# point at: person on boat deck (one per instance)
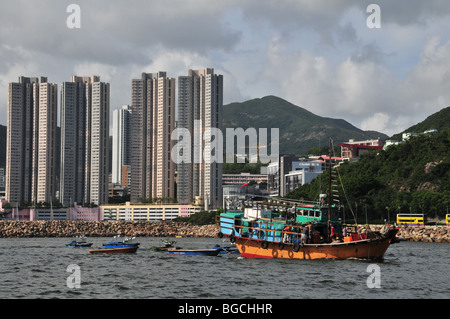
(305, 232)
(333, 233)
(310, 229)
(339, 232)
(286, 235)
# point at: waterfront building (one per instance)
(76, 212)
(31, 214)
(47, 214)
(84, 141)
(153, 120)
(273, 179)
(292, 171)
(147, 212)
(303, 172)
(121, 137)
(31, 140)
(200, 103)
(276, 172)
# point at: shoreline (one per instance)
(427, 233)
(67, 229)
(430, 234)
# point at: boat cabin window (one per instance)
(317, 213)
(311, 213)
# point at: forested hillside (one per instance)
(411, 177)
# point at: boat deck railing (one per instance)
(264, 230)
(275, 231)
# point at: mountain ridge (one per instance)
(300, 129)
(435, 121)
(315, 131)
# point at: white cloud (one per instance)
(363, 91)
(317, 54)
(378, 122)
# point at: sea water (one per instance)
(44, 268)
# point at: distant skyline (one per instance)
(319, 55)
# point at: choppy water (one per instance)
(37, 268)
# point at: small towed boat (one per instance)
(121, 250)
(125, 243)
(167, 245)
(126, 246)
(203, 252)
(79, 244)
(227, 249)
(76, 244)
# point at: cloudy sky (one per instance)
(320, 55)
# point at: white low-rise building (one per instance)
(147, 212)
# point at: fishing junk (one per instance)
(313, 231)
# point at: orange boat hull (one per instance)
(367, 249)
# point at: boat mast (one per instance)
(329, 180)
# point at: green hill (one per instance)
(413, 177)
(437, 121)
(300, 130)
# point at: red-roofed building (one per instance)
(353, 149)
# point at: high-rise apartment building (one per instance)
(2, 184)
(153, 120)
(84, 141)
(200, 103)
(31, 140)
(2, 179)
(121, 142)
(45, 144)
(73, 142)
